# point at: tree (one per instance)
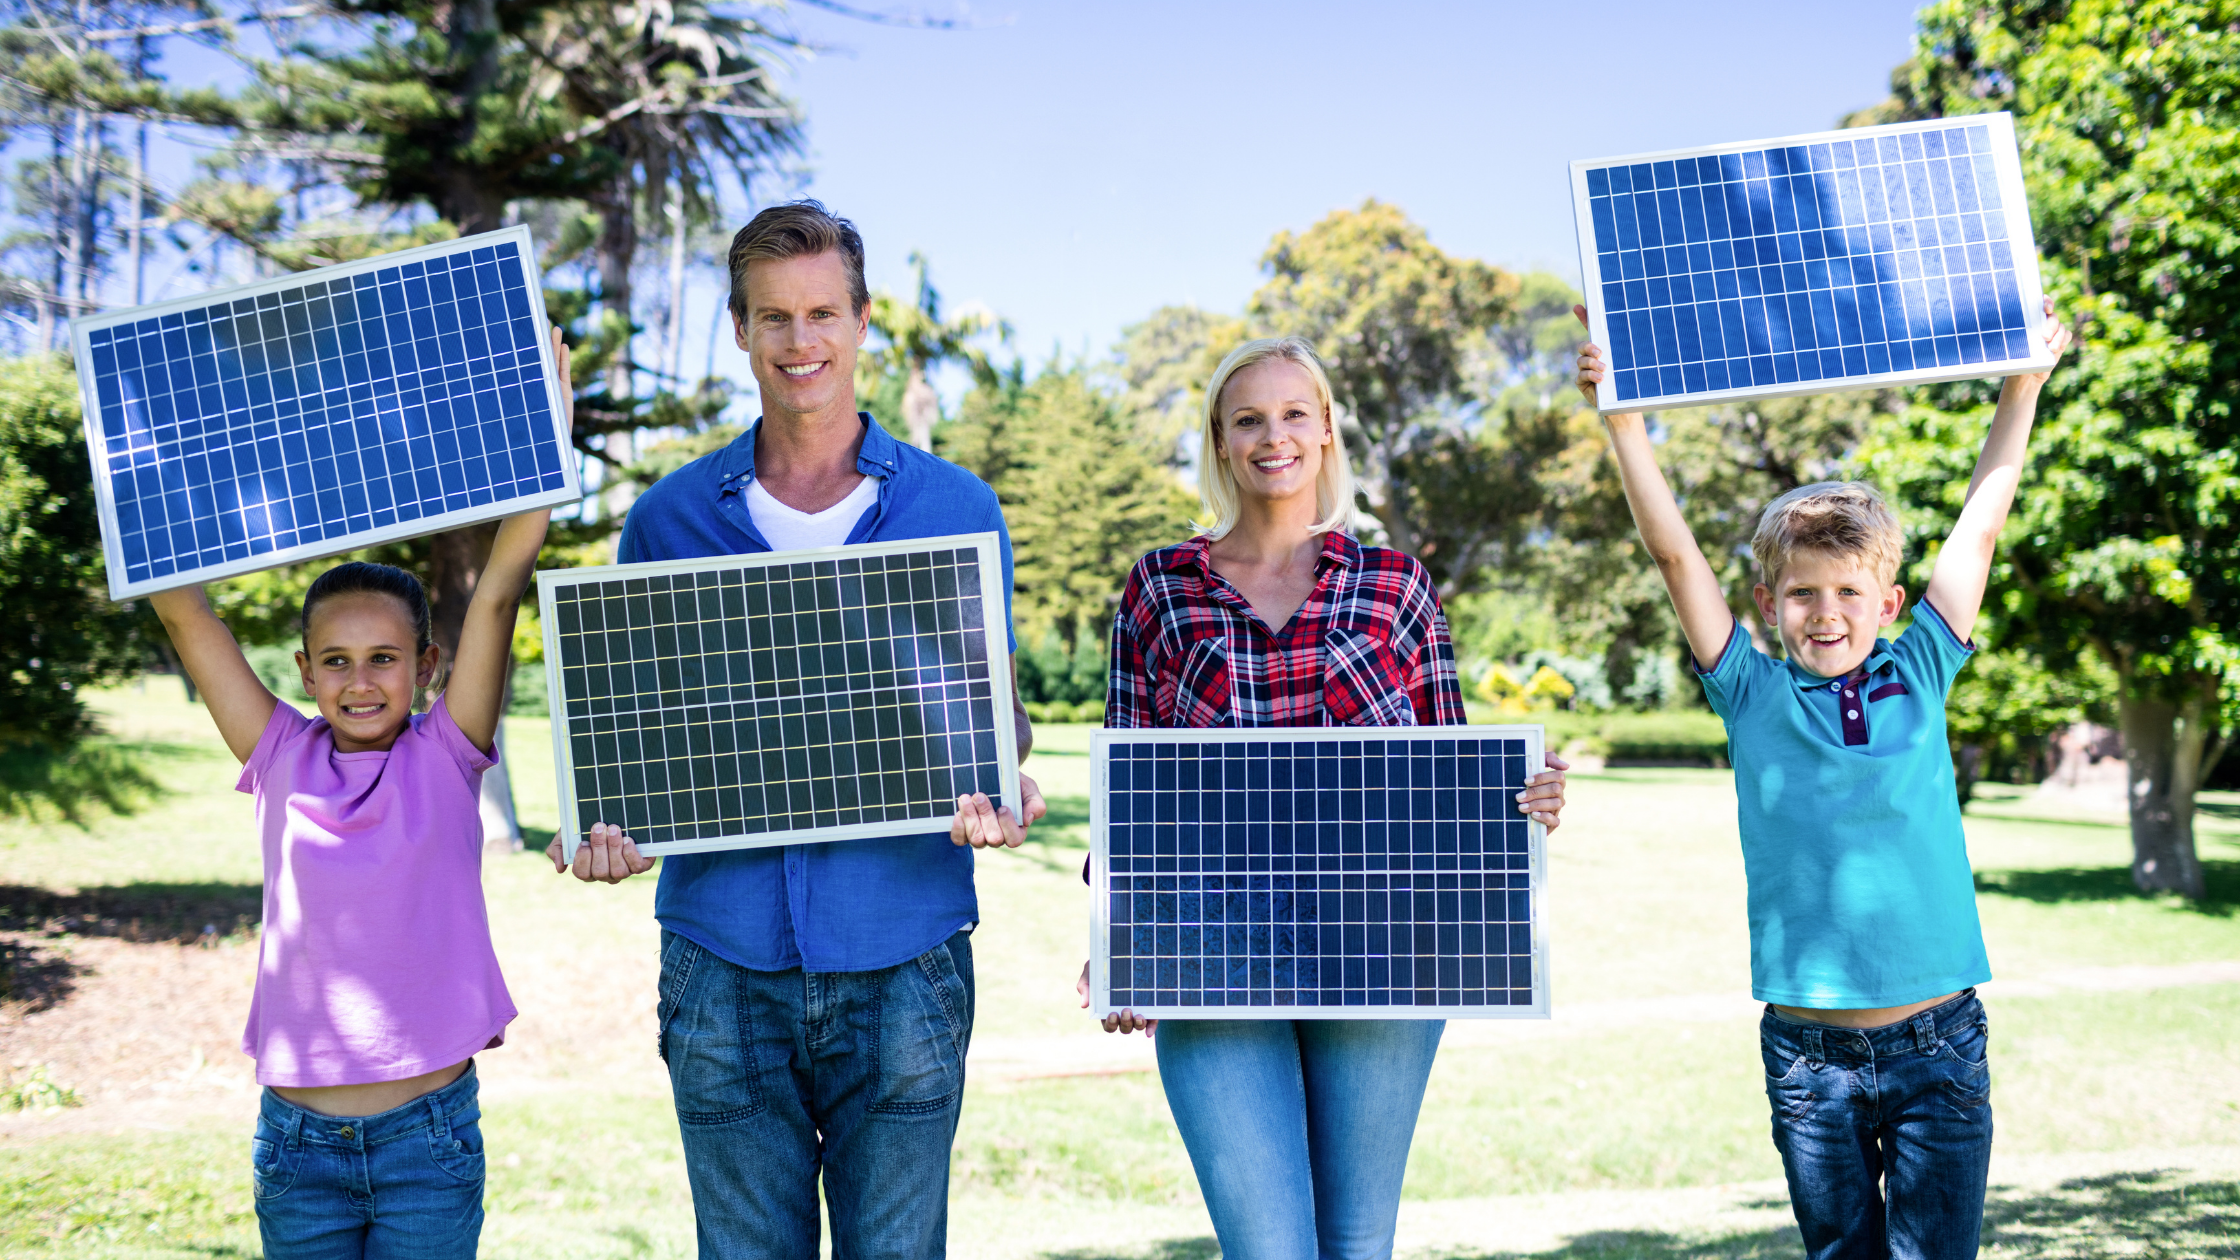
(914, 338)
(1394, 318)
(2125, 541)
(1083, 493)
(1163, 364)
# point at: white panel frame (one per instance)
(995, 615)
(1100, 869)
(2014, 204)
(112, 548)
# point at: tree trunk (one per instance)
(921, 407)
(2162, 743)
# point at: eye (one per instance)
(336, 662)
(383, 658)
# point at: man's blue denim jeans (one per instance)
(402, 1185)
(1885, 1133)
(779, 1075)
(1299, 1129)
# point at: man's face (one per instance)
(1827, 608)
(801, 334)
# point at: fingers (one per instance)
(558, 852)
(1542, 798)
(1081, 986)
(1580, 313)
(1030, 793)
(607, 856)
(977, 822)
(1127, 1022)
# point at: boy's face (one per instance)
(360, 666)
(1827, 609)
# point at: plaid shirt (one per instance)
(1368, 648)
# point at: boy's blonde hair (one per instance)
(1839, 518)
(1217, 482)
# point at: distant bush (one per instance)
(1060, 711)
(1673, 736)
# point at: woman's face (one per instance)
(1273, 429)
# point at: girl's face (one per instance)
(360, 665)
(1273, 429)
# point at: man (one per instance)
(816, 1000)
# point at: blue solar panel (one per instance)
(1311, 873)
(322, 412)
(744, 701)
(1880, 256)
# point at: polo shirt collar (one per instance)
(879, 456)
(1338, 548)
(1878, 661)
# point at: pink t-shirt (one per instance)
(375, 963)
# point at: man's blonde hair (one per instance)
(1837, 518)
(1217, 482)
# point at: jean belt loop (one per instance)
(293, 1130)
(1925, 1037)
(441, 1119)
(1814, 1052)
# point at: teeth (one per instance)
(1274, 464)
(804, 369)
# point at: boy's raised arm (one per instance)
(1964, 563)
(1704, 615)
(238, 700)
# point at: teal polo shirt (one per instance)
(1860, 890)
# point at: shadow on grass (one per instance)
(178, 913)
(1164, 1249)
(94, 777)
(2110, 883)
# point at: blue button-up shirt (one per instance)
(852, 905)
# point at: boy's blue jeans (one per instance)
(781, 1075)
(1885, 1133)
(402, 1185)
(1299, 1129)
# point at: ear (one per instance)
(1763, 594)
(863, 323)
(1893, 603)
(738, 332)
(430, 657)
(303, 666)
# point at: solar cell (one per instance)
(743, 701)
(321, 412)
(1843, 260)
(1304, 873)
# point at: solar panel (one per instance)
(322, 412)
(736, 702)
(1880, 256)
(1313, 873)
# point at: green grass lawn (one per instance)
(1645, 903)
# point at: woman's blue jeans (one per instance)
(1299, 1129)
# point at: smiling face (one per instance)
(801, 334)
(360, 665)
(1827, 608)
(1274, 429)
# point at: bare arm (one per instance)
(1964, 563)
(1704, 615)
(477, 689)
(238, 700)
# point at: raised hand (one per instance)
(1591, 364)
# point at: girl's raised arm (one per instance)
(477, 689)
(238, 700)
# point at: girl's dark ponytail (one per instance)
(379, 579)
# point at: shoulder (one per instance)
(926, 473)
(1395, 576)
(1161, 579)
(684, 490)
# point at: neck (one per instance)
(1272, 531)
(808, 444)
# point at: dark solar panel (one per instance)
(767, 699)
(1315, 873)
(322, 412)
(1879, 256)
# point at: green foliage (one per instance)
(61, 633)
(2007, 706)
(89, 777)
(1053, 673)
(1083, 493)
(1163, 364)
(37, 1090)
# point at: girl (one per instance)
(376, 980)
(1299, 1130)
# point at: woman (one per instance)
(1276, 616)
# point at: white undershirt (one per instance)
(789, 529)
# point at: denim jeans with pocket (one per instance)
(402, 1185)
(781, 1075)
(1885, 1133)
(1299, 1129)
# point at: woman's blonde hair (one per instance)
(1217, 482)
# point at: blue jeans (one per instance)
(402, 1185)
(779, 1075)
(1298, 1129)
(1885, 1133)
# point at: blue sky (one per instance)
(1075, 166)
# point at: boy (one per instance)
(1863, 935)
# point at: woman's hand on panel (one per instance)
(1123, 1021)
(980, 824)
(1542, 798)
(1591, 364)
(606, 856)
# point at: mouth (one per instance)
(362, 710)
(1276, 465)
(1828, 639)
(801, 371)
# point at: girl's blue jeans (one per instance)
(402, 1185)
(1299, 1129)
(1885, 1133)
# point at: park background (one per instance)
(1072, 213)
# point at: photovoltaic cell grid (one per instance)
(773, 699)
(1784, 267)
(322, 412)
(1279, 874)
